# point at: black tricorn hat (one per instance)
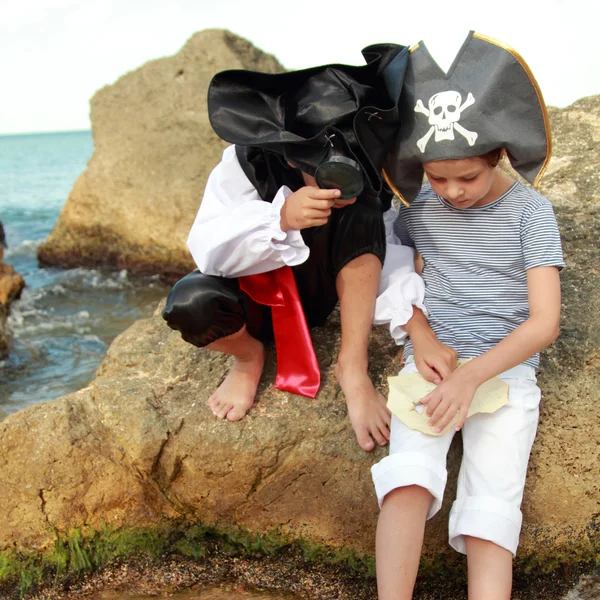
(305, 115)
(488, 99)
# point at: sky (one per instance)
(54, 54)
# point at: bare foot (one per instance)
(235, 396)
(367, 409)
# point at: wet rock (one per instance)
(588, 588)
(11, 285)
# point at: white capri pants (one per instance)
(496, 450)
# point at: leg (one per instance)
(485, 520)
(235, 396)
(357, 284)
(490, 570)
(212, 312)
(400, 532)
(409, 484)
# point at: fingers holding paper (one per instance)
(451, 397)
(457, 397)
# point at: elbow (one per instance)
(552, 333)
(201, 258)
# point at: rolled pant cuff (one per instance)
(486, 518)
(410, 468)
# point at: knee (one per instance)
(204, 308)
(409, 494)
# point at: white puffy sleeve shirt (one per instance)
(236, 233)
(400, 288)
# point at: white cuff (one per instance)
(487, 518)
(395, 304)
(289, 244)
(410, 468)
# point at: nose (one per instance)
(454, 191)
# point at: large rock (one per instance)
(139, 445)
(134, 205)
(573, 175)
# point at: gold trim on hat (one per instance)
(538, 91)
(415, 47)
(394, 189)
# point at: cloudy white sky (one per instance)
(54, 54)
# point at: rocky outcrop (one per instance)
(134, 205)
(11, 285)
(573, 175)
(139, 445)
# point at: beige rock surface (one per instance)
(139, 444)
(573, 175)
(134, 205)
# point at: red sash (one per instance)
(297, 367)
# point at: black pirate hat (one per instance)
(488, 99)
(310, 117)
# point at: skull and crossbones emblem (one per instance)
(445, 109)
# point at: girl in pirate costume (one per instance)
(491, 256)
(291, 221)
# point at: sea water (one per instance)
(65, 320)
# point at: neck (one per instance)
(501, 183)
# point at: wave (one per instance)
(26, 249)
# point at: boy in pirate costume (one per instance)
(292, 219)
(491, 252)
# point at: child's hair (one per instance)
(493, 157)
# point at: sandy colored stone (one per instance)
(573, 175)
(135, 203)
(140, 445)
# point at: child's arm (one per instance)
(401, 302)
(456, 392)
(434, 360)
(235, 232)
(400, 305)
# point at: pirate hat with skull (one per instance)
(488, 99)
(307, 117)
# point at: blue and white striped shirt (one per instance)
(476, 262)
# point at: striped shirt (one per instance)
(476, 262)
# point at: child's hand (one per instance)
(454, 395)
(434, 360)
(307, 207)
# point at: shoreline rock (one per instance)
(11, 286)
(134, 205)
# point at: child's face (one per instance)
(464, 182)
